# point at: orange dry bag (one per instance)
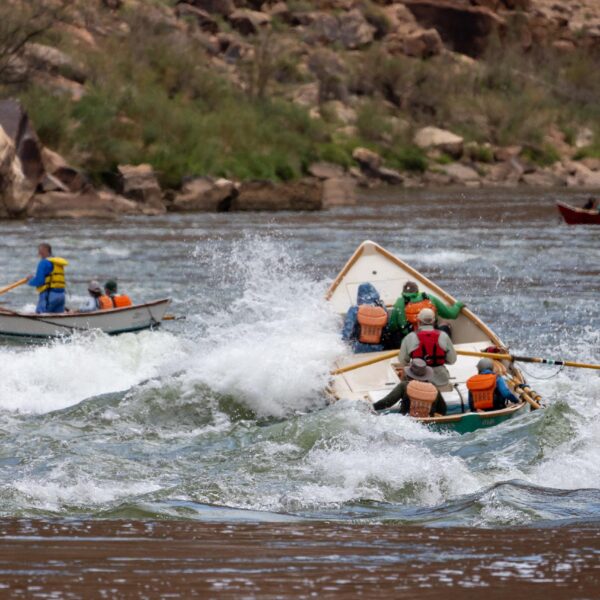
(412, 310)
(482, 388)
(371, 320)
(422, 396)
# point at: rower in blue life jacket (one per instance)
(49, 281)
(487, 389)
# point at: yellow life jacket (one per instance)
(56, 279)
(482, 388)
(371, 321)
(422, 396)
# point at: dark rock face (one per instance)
(269, 196)
(464, 29)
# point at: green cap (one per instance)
(110, 286)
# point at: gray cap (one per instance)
(419, 370)
(485, 364)
(94, 286)
(426, 316)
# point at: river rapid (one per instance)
(222, 417)
(226, 407)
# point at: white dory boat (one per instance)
(372, 263)
(115, 321)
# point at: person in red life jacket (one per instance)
(365, 323)
(432, 345)
(111, 295)
(418, 397)
(403, 318)
(488, 390)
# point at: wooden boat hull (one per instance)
(372, 263)
(112, 322)
(578, 216)
(472, 421)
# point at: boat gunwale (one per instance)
(456, 418)
(46, 316)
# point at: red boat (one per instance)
(578, 216)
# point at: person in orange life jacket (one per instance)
(93, 302)
(365, 323)
(49, 279)
(487, 390)
(430, 344)
(423, 400)
(403, 318)
(116, 300)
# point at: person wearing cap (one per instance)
(432, 345)
(403, 318)
(116, 300)
(410, 398)
(93, 302)
(487, 389)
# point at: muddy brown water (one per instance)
(112, 559)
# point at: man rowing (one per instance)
(49, 281)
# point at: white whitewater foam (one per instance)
(50, 377)
(272, 347)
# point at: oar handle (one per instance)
(12, 286)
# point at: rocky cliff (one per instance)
(260, 105)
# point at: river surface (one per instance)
(221, 416)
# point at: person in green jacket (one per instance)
(406, 309)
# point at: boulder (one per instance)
(221, 7)
(462, 174)
(464, 28)
(354, 30)
(324, 28)
(139, 183)
(54, 61)
(507, 173)
(16, 124)
(591, 163)
(60, 86)
(433, 138)
(16, 190)
(543, 178)
(204, 194)
(369, 161)
(89, 205)
(269, 196)
(506, 153)
(581, 176)
(339, 191)
(325, 170)
(249, 22)
(423, 44)
(584, 137)
(390, 176)
(203, 19)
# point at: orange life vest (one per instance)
(121, 301)
(371, 321)
(482, 388)
(422, 396)
(105, 303)
(412, 310)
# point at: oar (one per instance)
(173, 318)
(365, 363)
(12, 286)
(528, 359)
